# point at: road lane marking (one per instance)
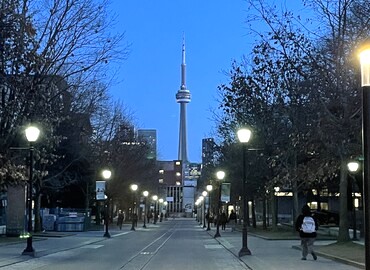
(215, 246)
(93, 246)
(119, 234)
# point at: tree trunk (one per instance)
(36, 211)
(273, 210)
(254, 221)
(268, 208)
(343, 235)
(318, 196)
(264, 211)
(87, 199)
(296, 210)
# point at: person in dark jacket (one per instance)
(306, 225)
(223, 221)
(120, 219)
(232, 220)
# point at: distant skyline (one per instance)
(215, 35)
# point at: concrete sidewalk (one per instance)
(279, 254)
(52, 242)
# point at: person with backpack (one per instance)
(307, 226)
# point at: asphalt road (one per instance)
(176, 244)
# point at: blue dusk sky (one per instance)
(215, 34)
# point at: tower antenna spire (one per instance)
(183, 65)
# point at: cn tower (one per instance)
(183, 97)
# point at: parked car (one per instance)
(325, 217)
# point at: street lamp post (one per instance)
(133, 187)
(165, 213)
(353, 167)
(32, 134)
(145, 193)
(160, 209)
(220, 176)
(106, 176)
(204, 193)
(197, 207)
(365, 83)
(155, 217)
(209, 189)
(244, 136)
(201, 203)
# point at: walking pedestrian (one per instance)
(120, 219)
(149, 216)
(307, 226)
(232, 220)
(223, 221)
(135, 219)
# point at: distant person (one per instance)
(307, 226)
(135, 219)
(149, 216)
(223, 221)
(209, 218)
(120, 219)
(232, 220)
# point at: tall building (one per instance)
(149, 137)
(183, 97)
(169, 179)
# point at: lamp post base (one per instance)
(29, 250)
(217, 232)
(29, 253)
(106, 234)
(244, 251)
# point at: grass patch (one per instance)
(348, 250)
(4, 240)
(281, 233)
